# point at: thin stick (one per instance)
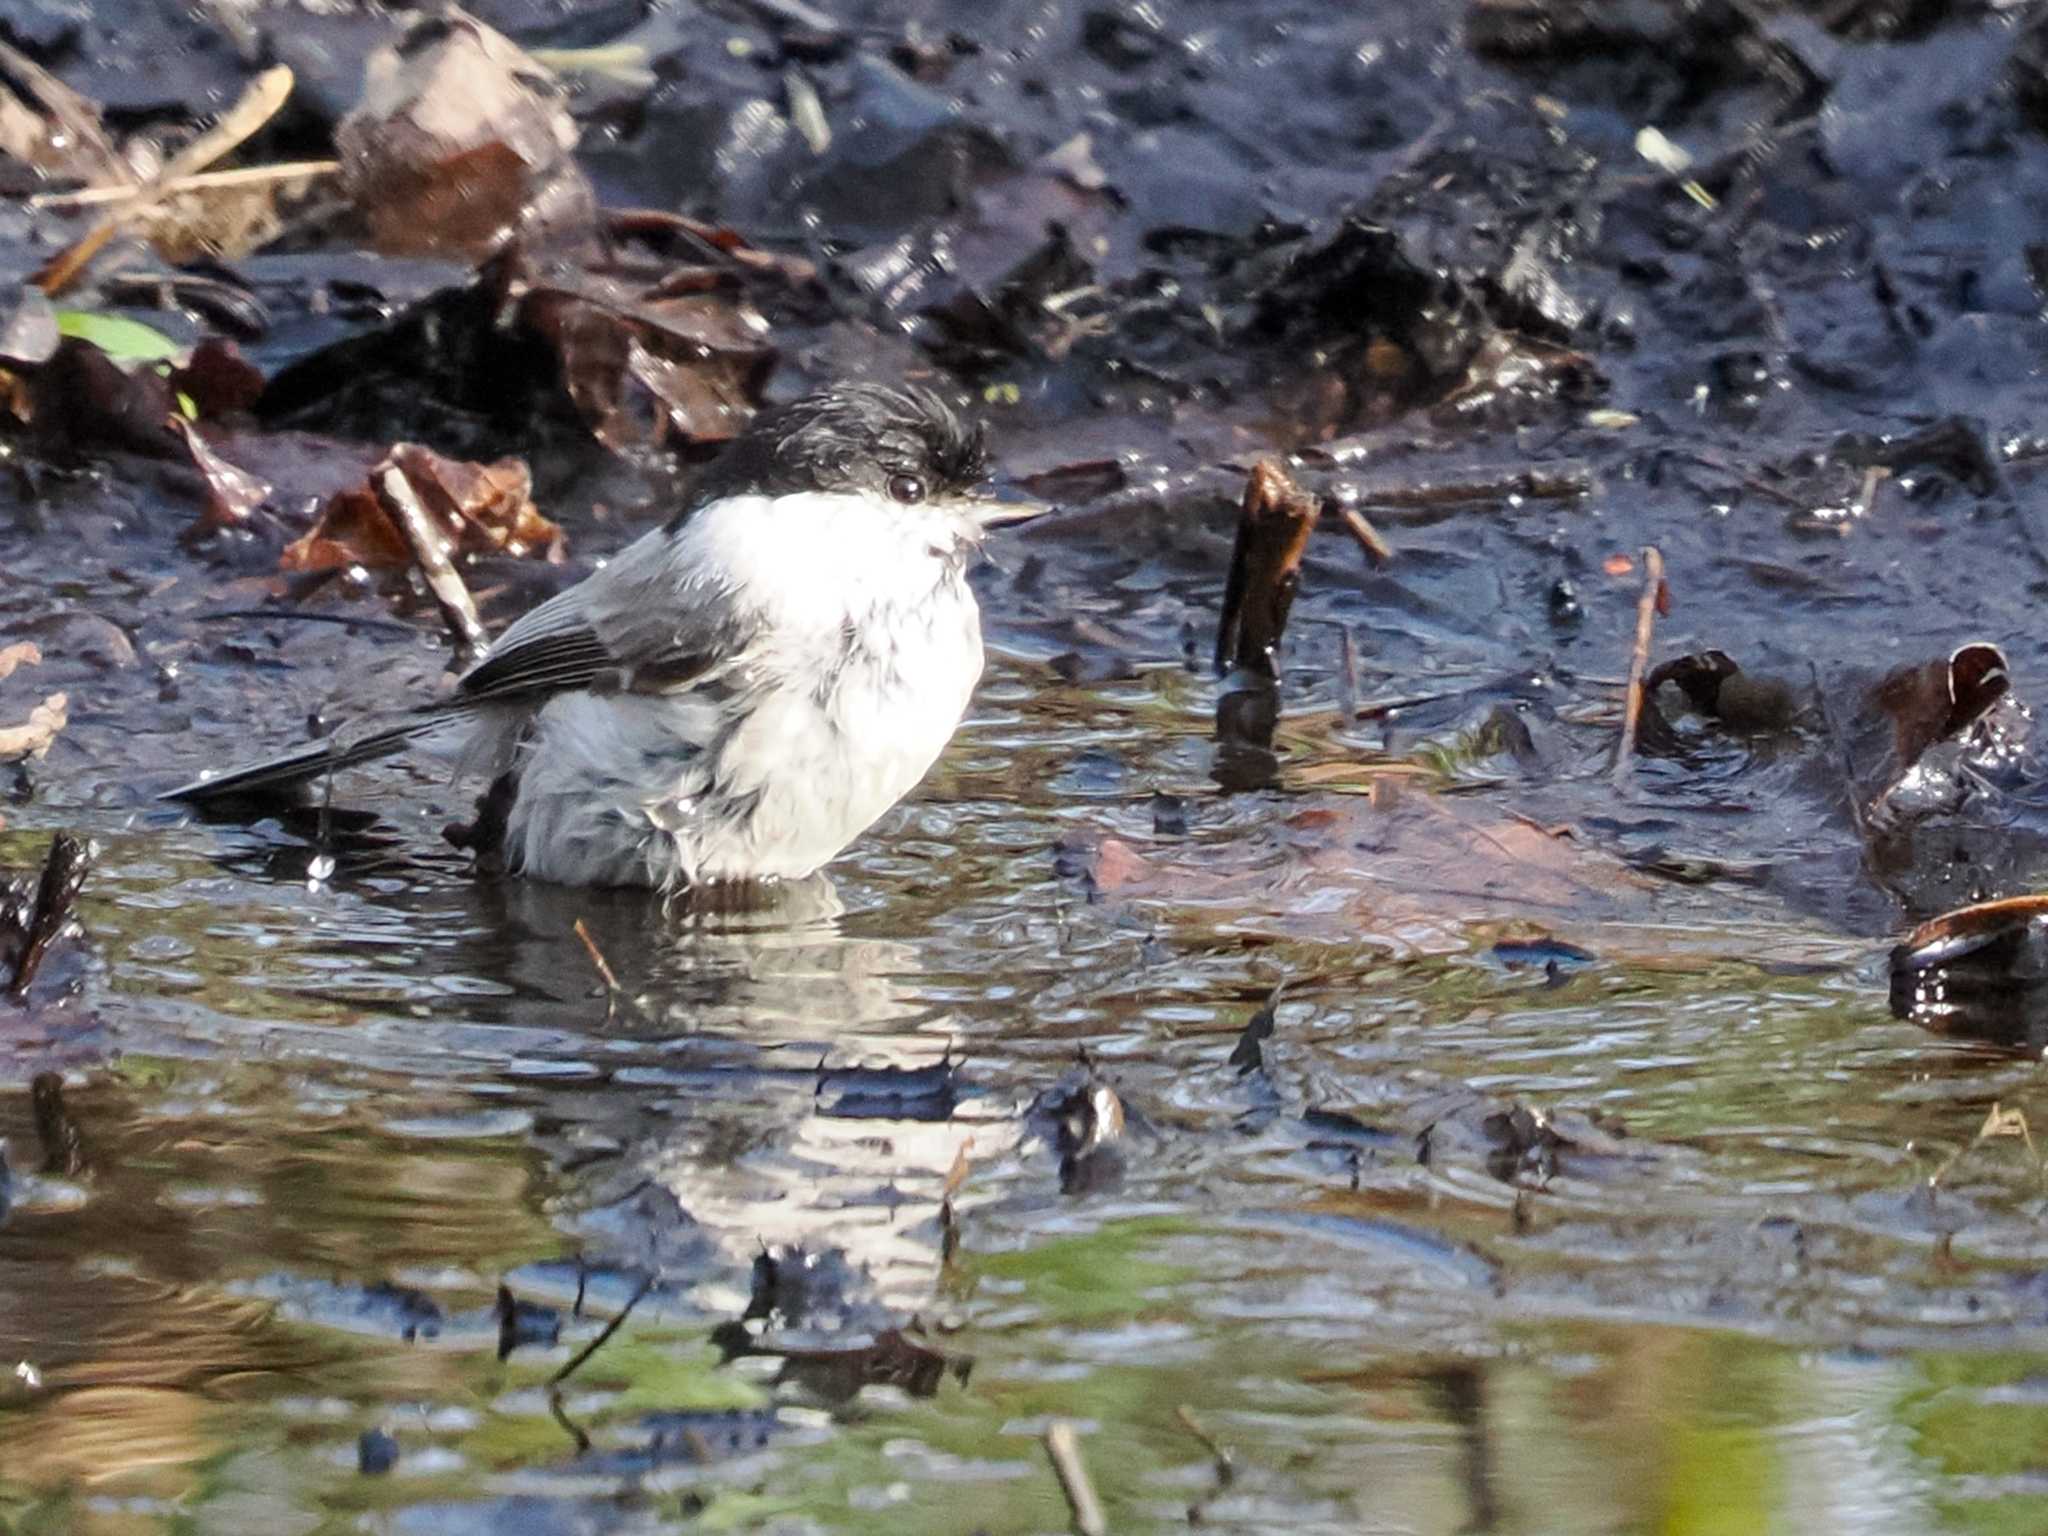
(1064, 1447)
(1639, 661)
(604, 1334)
(1226, 1464)
(1376, 548)
(612, 988)
(795, 13)
(458, 608)
(241, 176)
(256, 106)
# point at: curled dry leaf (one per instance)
(483, 509)
(232, 494)
(31, 738)
(460, 144)
(1957, 727)
(635, 366)
(1272, 534)
(643, 371)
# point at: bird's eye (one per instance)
(908, 489)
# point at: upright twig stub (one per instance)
(1265, 569)
(1647, 606)
(430, 551)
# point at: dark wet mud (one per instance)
(1579, 1175)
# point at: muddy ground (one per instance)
(1415, 1124)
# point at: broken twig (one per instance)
(1639, 660)
(252, 109)
(1064, 1447)
(1376, 548)
(1226, 1464)
(458, 608)
(604, 1334)
(204, 181)
(613, 991)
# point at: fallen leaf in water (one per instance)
(1520, 1143)
(1417, 872)
(1083, 1117)
(1712, 684)
(533, 351)
(124, 340)
(895, 1359)
(521, 1323)
(483, 509)
(1273, 528)
(460, 144)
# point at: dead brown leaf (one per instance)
(482, 508)
(461, 144)
(80, 401)
(1272, 535)
(644, 371)
(1416, 872)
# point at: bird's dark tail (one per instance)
(279, 774)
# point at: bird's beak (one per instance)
(998, 503)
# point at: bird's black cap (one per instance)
(850, 437)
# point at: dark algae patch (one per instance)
(1547, 1039)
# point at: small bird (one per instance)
(745, 689)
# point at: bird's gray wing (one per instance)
(642, 624)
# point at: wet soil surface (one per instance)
(1578, 1176)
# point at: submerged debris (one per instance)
(35, 916)
(376, 1452)
(525, 1323)
(1087, 1126)
(1980, 972)
(63, 1142)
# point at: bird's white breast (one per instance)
(867, 648)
